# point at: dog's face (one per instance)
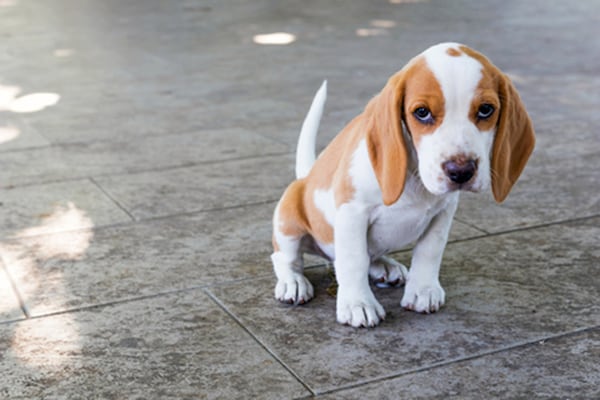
(451, 110)
(465, 120)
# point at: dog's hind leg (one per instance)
(385, 272)
(292, 286)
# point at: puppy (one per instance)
(448, 121)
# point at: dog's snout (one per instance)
(460, 170)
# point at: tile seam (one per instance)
(149, 170)
(15, 289)
(220, 304)
(112, 198)
(270, 201)
(472, 226)
(441, 364)
(140, 220)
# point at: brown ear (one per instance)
(513, 143)
(385, 141)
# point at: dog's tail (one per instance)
(305, 152)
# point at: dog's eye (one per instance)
(485, 111)
(424, 115)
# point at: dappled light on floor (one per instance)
(364, 32)
(38, 260)
(377, 27)
(383, 23)
(63, 218)
(8, 303)
(277, 38)
(8, 93)
(33, 102)
(47, 344)
(8, 133)
(27, 103)
(62, 53)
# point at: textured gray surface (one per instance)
(135, 207)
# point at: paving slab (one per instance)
(85, 267)
(56, 207)
(15, 134)
(202, 187)
(213, 186)
(171, 347)
(114, 157)
(501, 291)
(547, 192)
(172, 108)
(564, 367)
(94, 266)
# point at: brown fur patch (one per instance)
(515, 137)
(298, 213)
(453, 52)
(422, 90)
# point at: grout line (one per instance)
(270, 201)
(526, 228)
(441, 364)
(137, 298)
(259, 342)
(190, 164)
(15, 289)
(102, 305)
(117, 203)
(473, 226)
(195, 130)
(141, 221)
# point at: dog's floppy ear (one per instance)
(514, 140)
(385, 141)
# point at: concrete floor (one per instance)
(144, 144)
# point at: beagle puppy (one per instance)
(448, 121)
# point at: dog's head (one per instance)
(464, 118)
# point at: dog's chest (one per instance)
(393, 228)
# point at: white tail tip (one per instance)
(305, 151)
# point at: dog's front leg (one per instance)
(356, 303)
(423, 292)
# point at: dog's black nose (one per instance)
(460, 170)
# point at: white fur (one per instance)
(292, 286)
(365, 230)
(458, 77)
(305, 151)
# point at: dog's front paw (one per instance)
(423, 298)
(294, 290)
(359, 310)
(386, 271)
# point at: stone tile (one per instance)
(87, 267)
(16, 135)
(152, 153)
(550, 190)
(201, 187)
(501, 291)
(204, 187)
(176, 346)
(56, 272)
(56, 207)
(564, 367)
(10, 309)
(135, 111)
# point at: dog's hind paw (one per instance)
(296, 290)
(386, 272)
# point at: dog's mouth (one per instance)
(465, 187)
